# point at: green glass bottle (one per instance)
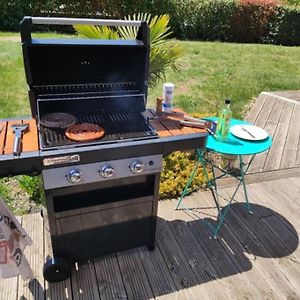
(224, 122)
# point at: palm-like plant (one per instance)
(163, 54)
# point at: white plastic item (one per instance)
(168, 96)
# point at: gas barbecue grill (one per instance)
(102, 194)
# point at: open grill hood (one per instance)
(72, 65)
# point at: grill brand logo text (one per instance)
(61, 160)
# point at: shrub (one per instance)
(32, 186)
(177, 168)
(285, 29)
(214, 19)
(251, 21)
(248, 21)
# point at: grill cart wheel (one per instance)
(56, 269)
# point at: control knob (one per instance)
(107, 171)
(136, 167)
(74, 176)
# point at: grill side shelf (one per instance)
(29, 161)
(174, 136)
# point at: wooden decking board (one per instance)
(261, 121)
(9, 141)
(84, 283)
(258, 281)
(287, 191)
(274, 247)
(264, 114)
(59, 290)
(292, 96)
(282, 232)
(133, 274)
(30, 138)
(275, 153)
(256, 108)
(244, 288)
(3, 125)
(9, 286)
(109, 278)
(252, 244)
(173, 257)
(270, 124)
(194, 254)
(159, 277)
(285, 151)
(227, 287)
(261, 195)
(289, 155)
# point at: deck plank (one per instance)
(10, 136)
(257, 225)
(133, 275)
(275, 153)
(84, 283)
(109, 278)
(3, 127)
(256, 108)
(252, 282)
(9, 286)
(261, 121)
(289, 155)
(58, 290)
(213, 262)
(33, 224)
(176, 262)
(160, 279)
(30, 137)
(272, 114)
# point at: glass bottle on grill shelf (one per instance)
(224, 122)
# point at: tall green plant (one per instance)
(163, 53)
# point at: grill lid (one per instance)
(67, 62)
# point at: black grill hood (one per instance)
(84, 63)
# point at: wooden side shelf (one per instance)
(167, 127)
(29, 140)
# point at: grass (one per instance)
(213, 71)
(210, 72)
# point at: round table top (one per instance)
(236, 146)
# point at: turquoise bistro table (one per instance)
(232, 146)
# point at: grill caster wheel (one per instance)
(56, 269)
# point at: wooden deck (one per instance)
(279, 114)
(255, 257)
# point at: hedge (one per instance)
(250, 21)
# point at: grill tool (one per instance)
(188, 121)
(18, 130)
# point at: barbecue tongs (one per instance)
(188, 121)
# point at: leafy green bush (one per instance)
(177, 168)
(250, 21)
(285, 28)
(32, 186)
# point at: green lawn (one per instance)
(214, 71)
(210, 72)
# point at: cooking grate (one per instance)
(117, 126)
